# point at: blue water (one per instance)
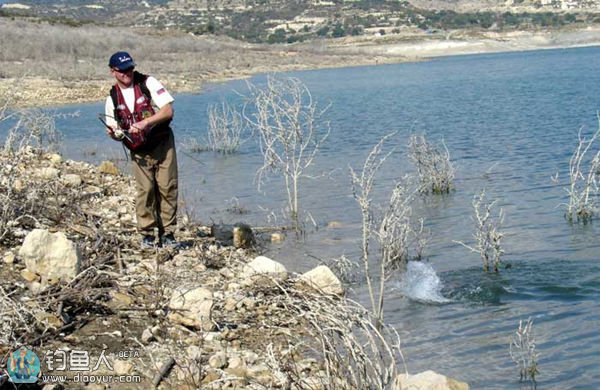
(510, 122)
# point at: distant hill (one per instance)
(288, 21)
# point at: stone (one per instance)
(230, 304)
(277, 237)
(49, 319)
(18, 185)
(36, 287)
(51, 255)
(242, 236)
(147, 336)
(55, 158)
(427, 380)
(93, 190)
(262, 267)
(334, 225)
(120, 300)
(227, 273)
(236, 362)
(250, 357)
(239, 372)
(218, 360)
(9, 258)
(48, 173)
(192, 308)
(30, 276)
(210, 376)
(194, 352)
(123, 367)
(72, 180)
(108, 168)
(322, 279)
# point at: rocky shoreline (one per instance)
(212, 314)
(38, 88)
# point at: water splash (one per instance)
(421, 283)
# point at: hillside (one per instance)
(285, 21)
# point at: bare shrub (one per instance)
(487, 233)
(345, 269)
(395, 234)
(394, 229)
(584, 184)
(290, 131)
(433, 165)
(341, 335)
(522, 351)
(225, 128)
(193, 145)
(16, 319)
(36, 129)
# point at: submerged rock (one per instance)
(427, 380)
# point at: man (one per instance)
(138, 113)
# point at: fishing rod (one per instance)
(123, 132)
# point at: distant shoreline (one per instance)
(36, 91)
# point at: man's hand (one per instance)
(139, 127)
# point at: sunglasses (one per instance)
(124, 70)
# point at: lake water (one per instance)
(510, 122)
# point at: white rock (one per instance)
(236, 362)
(18, 185)
(9, 258)
(72, 180)
(277, 237)
(192, 307)
(123, 367)
(427, 380)
(50, 255)
(54, 158)
(322, 279)
(147, 336)
(194, 352)
(218, 360)
(48, 173)
(250, 357)
(263, 266)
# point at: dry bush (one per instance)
(34, 129)
(225, 128)
(522, 351)
(488, 236)
(395, 232)
(433, 165)
(33, 133)
(340, 334)
(291, 132)
(16, 319)
(584, 182)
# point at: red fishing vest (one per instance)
(142, 109)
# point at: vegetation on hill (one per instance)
(286, 21)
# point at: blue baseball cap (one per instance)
(121, 60)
